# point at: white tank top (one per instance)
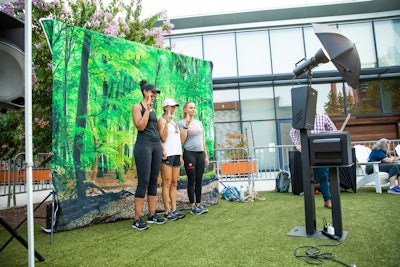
(173, 144)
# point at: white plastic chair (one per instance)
(378, 178)
(397, 149)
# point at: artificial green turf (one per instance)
(230, 234)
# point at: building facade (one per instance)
(254, 54)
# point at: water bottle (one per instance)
(241, 192)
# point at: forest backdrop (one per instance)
(85, 82)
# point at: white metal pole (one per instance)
(28, 129)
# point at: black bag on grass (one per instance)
(282, 182)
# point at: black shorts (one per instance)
(173, 161)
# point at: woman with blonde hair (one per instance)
(194, 156)
(171, 159)
(380, 153)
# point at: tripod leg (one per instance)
(21, 223)
(18, 237)
(53, 216)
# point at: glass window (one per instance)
(221, 133)
(261, 134)
(189, 46)
(264, 133)
(330, 99)
(362, 35)
(391, 95)
(387, 42)
(226, 105)
(283, 101)
(257, 103)
(366, 98)
(284, 129)
(286, 48)
(253, 53)
(220, 49)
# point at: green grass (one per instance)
(231, 234)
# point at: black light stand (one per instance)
(304, 102)
(331, 150)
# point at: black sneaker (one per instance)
(139, 224)
(170, 216)
(156, 219)
(178, 214)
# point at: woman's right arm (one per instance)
(162, 125)
(139, 120)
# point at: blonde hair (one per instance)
(185, 106)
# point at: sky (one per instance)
(185, 8)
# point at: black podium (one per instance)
(347, 175)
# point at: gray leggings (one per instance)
(148, 163)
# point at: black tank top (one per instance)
(150, 133)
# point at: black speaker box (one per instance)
(12, 60)
(330, 148)
(304, 104)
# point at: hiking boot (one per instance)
(156, 219)
(170, 216)
(178, 214)
(139, 224)
(196, 210)
(394, 190)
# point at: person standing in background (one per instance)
(147, 154)
(171, 159)
(194, 156)
(322, 123)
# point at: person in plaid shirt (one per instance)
(322, 123)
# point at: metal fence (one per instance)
(264, 162)
(231, 164)
(13, 176)
(251, 165)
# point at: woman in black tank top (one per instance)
(147, 153)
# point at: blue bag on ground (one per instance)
(231, 193)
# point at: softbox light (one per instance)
(11, 63)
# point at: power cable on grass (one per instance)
(313, 254)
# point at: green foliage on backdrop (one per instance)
(95, 84)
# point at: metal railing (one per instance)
(256, 164)
(13, 176)
(371, 143)
(264, 162)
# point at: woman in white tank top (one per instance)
(171, 159)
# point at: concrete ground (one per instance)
(21, 199)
